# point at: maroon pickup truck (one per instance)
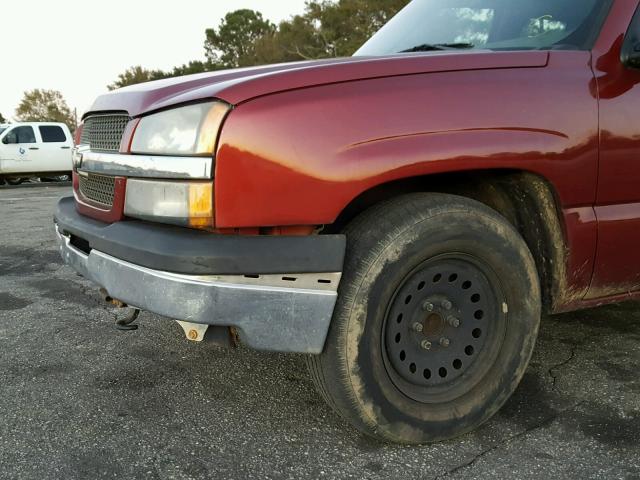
(403, 217)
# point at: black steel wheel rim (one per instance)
(444, 327)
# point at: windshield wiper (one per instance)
(431, 47)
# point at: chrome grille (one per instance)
(104, 132)
(97, 188)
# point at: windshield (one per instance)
(2, 129)
(426, 25)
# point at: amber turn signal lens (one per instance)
(201, 205)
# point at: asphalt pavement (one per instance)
(80, 399)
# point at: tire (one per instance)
(436, 319)
(15, 181)
(57, 178)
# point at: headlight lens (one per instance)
(184, 203)
(189, 130)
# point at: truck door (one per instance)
(18, 148)
(617, 265)
(55, 149)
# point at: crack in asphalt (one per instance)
(564, 363)
(547, 421)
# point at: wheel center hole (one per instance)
(433, 324)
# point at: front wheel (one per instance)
(436, 320)
(15, 181)
(57, 178)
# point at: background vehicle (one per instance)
(34, 150)
(404, 216)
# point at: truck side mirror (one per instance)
(630, 54)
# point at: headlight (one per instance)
(184, 203)
(189, 130)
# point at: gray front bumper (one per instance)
(286, 313)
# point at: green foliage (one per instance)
(2, 119)
(244, 38)
(326, 29)
(345, 25)
(192, 67)
(139, 74)
(135, 75)
(296, 39)
(232, 44)
(44, 106)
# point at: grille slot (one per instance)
(97, 188)
(104, 132)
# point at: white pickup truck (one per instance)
(34, 150)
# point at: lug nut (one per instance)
(445, 342)
(427, 307)
(446, 304)
(418, 327)
(454, 322)
(426, 344)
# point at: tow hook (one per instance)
(194, 331)
(125, 324)
(225, 337)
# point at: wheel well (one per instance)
(526, 200)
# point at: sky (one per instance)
(80, 46)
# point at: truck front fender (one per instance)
(299, 157)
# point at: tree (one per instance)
(194, 66)
(296, 39)
(135, 75)
(2, 119)
(44, 106)
(138, 74)
(344, 26)
(326, 29)
(244, 38)
(232, 44)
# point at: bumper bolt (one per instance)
(445, 342)
(446, 304)
(426, 345)
(454, 322)
(193, 335)
(417, 327)
(427, 307)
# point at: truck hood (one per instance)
(243, 84)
